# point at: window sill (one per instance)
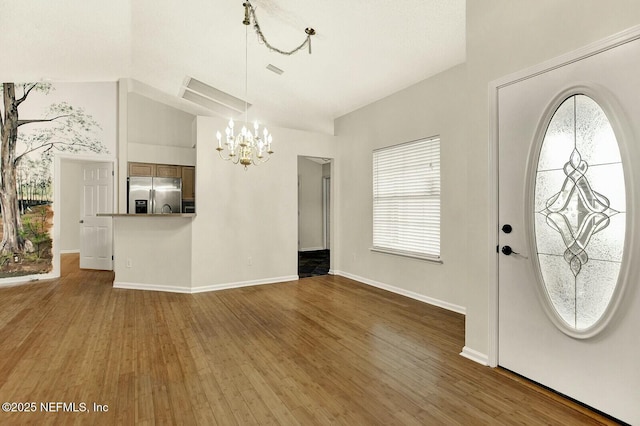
(407, 254)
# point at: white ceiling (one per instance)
(363, 50)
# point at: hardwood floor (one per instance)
(323, 350)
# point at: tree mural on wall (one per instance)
(26, 154)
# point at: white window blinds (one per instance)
(406, 198)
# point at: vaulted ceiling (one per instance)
(363, 50)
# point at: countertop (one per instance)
(147, 215)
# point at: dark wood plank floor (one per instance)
(323, 350)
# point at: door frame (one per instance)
(592, 49)
(326, 214)
(332, 228)
(57, 191)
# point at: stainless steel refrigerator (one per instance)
(154, 195)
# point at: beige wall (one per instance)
(436, 106)
(309, 205)
(245, 230)
(152, 253)
(503, 36)
(154, 123)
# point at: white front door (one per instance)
(569, 303)
(96, 233)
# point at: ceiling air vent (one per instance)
(211, 98)
(275, 69)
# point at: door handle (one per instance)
(82, 221)
(508, 251)
(507, 228)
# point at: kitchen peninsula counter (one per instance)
(153, 251)
(147, 215)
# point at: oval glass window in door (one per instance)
(579, 218)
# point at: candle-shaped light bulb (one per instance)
(231, 123)
(219, 137)
(265, 133)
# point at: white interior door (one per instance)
(569, 349)
(96, 233)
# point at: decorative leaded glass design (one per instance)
(579, 211)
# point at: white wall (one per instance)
(158, 250)
(249, 214)
(158, 133)
(69, 214)
(436, 106)
(310, 205)
(505, 36)
(155, 123)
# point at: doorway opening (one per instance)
(83, 187)
(314, 216)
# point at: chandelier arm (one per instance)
(256, 26)
(258, 162)
(225, 159)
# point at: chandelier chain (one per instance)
(248, 147)
(256, 26)
(246, 74)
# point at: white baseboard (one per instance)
(422, 298)
(26, 279)
(475, 356)
(70, 251)
(311, 249)
(151, 287)
(202, 289)
(239, 284)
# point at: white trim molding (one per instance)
(475, 356)
(201, 289)
(25, 279)
(216, 287)
(151, 287)
(410, 294)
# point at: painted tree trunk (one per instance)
(12, 241)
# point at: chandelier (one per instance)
(251, 147)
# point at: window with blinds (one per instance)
(406, 199)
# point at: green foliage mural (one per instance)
(27, 148)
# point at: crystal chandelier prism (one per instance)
(246, 148)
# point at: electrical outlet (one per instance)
(128, 263)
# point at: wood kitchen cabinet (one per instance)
(188, 183)
(142, 169)
(166, 170)
(154, 170)
(187, 173)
